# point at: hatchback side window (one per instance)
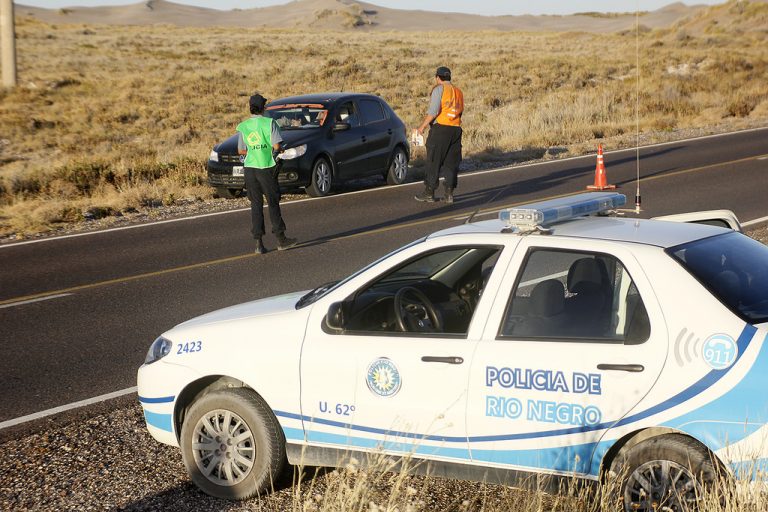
(575, 296)
(371, 111)
(346, 113)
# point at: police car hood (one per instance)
(258, 308)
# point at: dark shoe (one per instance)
(260, 249)
(428, 196)
(448, 198)
(284, 243)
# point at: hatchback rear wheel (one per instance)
(322, 177)
(398, 168)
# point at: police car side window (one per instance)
(575, 296)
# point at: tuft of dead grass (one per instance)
(116, 117)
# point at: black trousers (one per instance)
(443, 155)
(260, 183)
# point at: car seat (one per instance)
(546, 312)
(588, 305)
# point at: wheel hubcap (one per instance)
(661, 485)
(323, 177)
(223, 447)
(401, 166)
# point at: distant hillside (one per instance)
(743, 16)
(349, 15)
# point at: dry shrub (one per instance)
(146, 104)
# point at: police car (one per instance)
(555, 340)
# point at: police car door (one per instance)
(575, 339)
(366, 385)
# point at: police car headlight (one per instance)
(214, 156)
(160, 348)
(290, 154)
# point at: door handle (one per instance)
(635, 368)
(364, 139)
(441, 359)
(389, 131)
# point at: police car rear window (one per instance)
(734, 268)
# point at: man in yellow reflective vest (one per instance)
(444, 142)
(259, 137)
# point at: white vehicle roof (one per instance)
(621, 229)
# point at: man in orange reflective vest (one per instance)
(444, 142)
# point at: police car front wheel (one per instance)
(232, 445)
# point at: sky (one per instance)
(488, 7)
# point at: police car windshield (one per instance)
(325, 289)
(734, 268)
(297, 116)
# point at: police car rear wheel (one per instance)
(398, 169)
(322, 176)
(667, 473)
(232, 445)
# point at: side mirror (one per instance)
(336, 317)
(341, 127)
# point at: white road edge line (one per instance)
(755, 221)
(68, 407)
(30, 301)
(370, 190)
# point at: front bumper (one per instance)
(290, 175)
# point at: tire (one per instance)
(250, 466)
(321, 179)
(665, 473)
(398, 167)
(228, 193)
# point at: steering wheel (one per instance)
(419, 315)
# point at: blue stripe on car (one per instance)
(157, 420)
(702, 385)
(157, 400)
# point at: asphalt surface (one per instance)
(78, 314)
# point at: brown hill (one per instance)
(349, 15)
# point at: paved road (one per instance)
(78, 314)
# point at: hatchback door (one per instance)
(574, 341)
(348, 145)
(378, 133)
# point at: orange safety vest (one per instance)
(451, 106)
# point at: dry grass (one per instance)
(114, 118)
(379, 487)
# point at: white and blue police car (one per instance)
(555, 340)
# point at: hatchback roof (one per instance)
(321, 97)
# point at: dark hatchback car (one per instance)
(339, 136)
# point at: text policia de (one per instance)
(544, 411)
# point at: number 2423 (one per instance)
(188, 348)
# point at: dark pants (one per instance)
(443, 155)
(258, 183)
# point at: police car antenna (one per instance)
(477, 210)
(637, 106)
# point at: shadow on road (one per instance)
(554, 182)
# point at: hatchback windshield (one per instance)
(735, 268)
(297, 116)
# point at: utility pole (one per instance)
(8, 43)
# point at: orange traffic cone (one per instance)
(601, 180)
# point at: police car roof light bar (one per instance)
(545, 213)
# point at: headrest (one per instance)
(703, 260)
(587, 270)
(548, 298)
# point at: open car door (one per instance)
(720, 218)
